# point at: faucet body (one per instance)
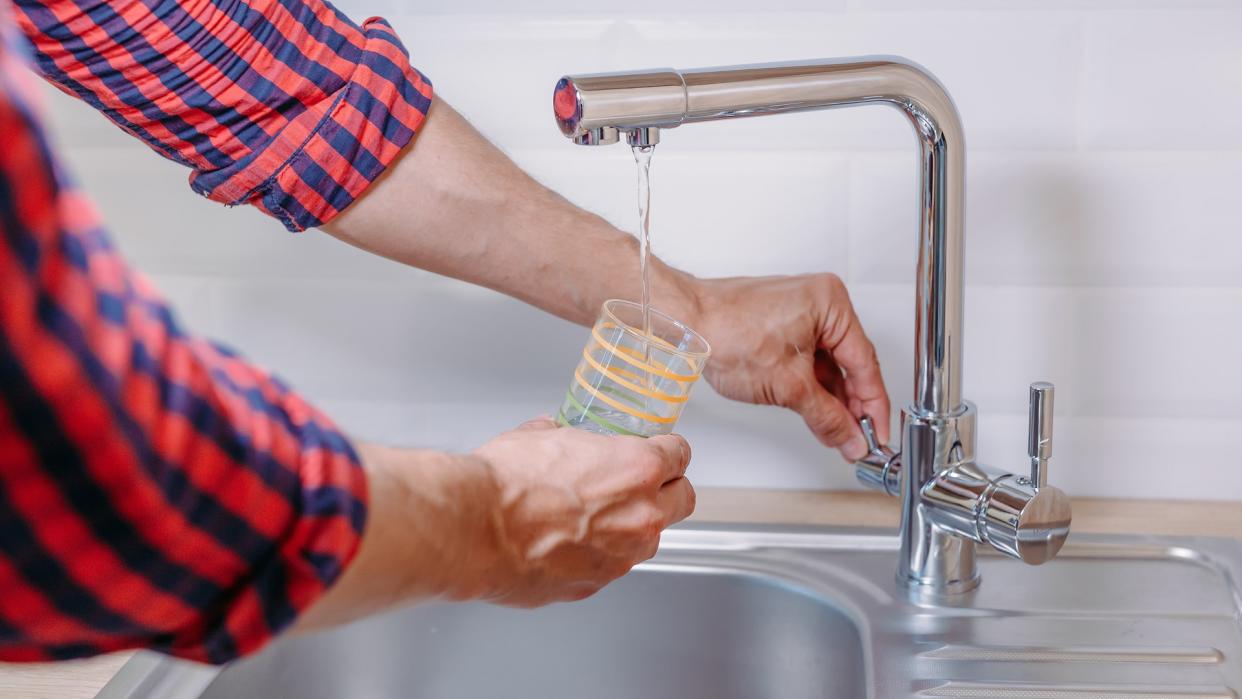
(950, 503)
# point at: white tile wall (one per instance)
(1168, 68)
(1104, 252)
(1083, 218)
(1007, 5)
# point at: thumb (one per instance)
(832, 422)
(543, 422)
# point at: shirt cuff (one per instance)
(326, 157)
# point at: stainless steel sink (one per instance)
(787, 612)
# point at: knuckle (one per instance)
(617, 569)
(873, 356)
(650, 551)
(653, 524)
(684, 450)
(649, 525)
(649, 464)
(582, 592)
(832, 283)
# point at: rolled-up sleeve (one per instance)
(284, 104)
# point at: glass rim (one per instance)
(638, 333)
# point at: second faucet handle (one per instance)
(880, 467)
(868, 430)
(1039, 432)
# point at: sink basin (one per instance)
(787, 612)
(653, 634)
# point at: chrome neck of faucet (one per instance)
(934, 473)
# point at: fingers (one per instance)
(853, 352)
(832, 422)
(676, 500)
(543, 422)
(672, 453)
(829, 375)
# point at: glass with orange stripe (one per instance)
(630, 383)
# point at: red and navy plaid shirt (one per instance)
(155, 489)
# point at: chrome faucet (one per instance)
(950, 503)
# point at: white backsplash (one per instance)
(1104, 242)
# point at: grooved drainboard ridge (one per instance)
(1077, 654)
(1066, 691)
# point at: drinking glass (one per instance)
(630, 382)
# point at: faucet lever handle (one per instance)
(868, 430)
(1039, 434)
(880, 467)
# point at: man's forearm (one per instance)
(455, 205)
(429, 534)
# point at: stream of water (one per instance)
(642, 156)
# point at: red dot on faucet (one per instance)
(565, 101)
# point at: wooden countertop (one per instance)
(840, 508)
(83, 679)
(72, 679)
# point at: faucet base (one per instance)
(955, 549)
(936, 592)
(934, 553)
(951, 504)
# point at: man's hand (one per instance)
(536, 515)
(794, 342)
(578, 510)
